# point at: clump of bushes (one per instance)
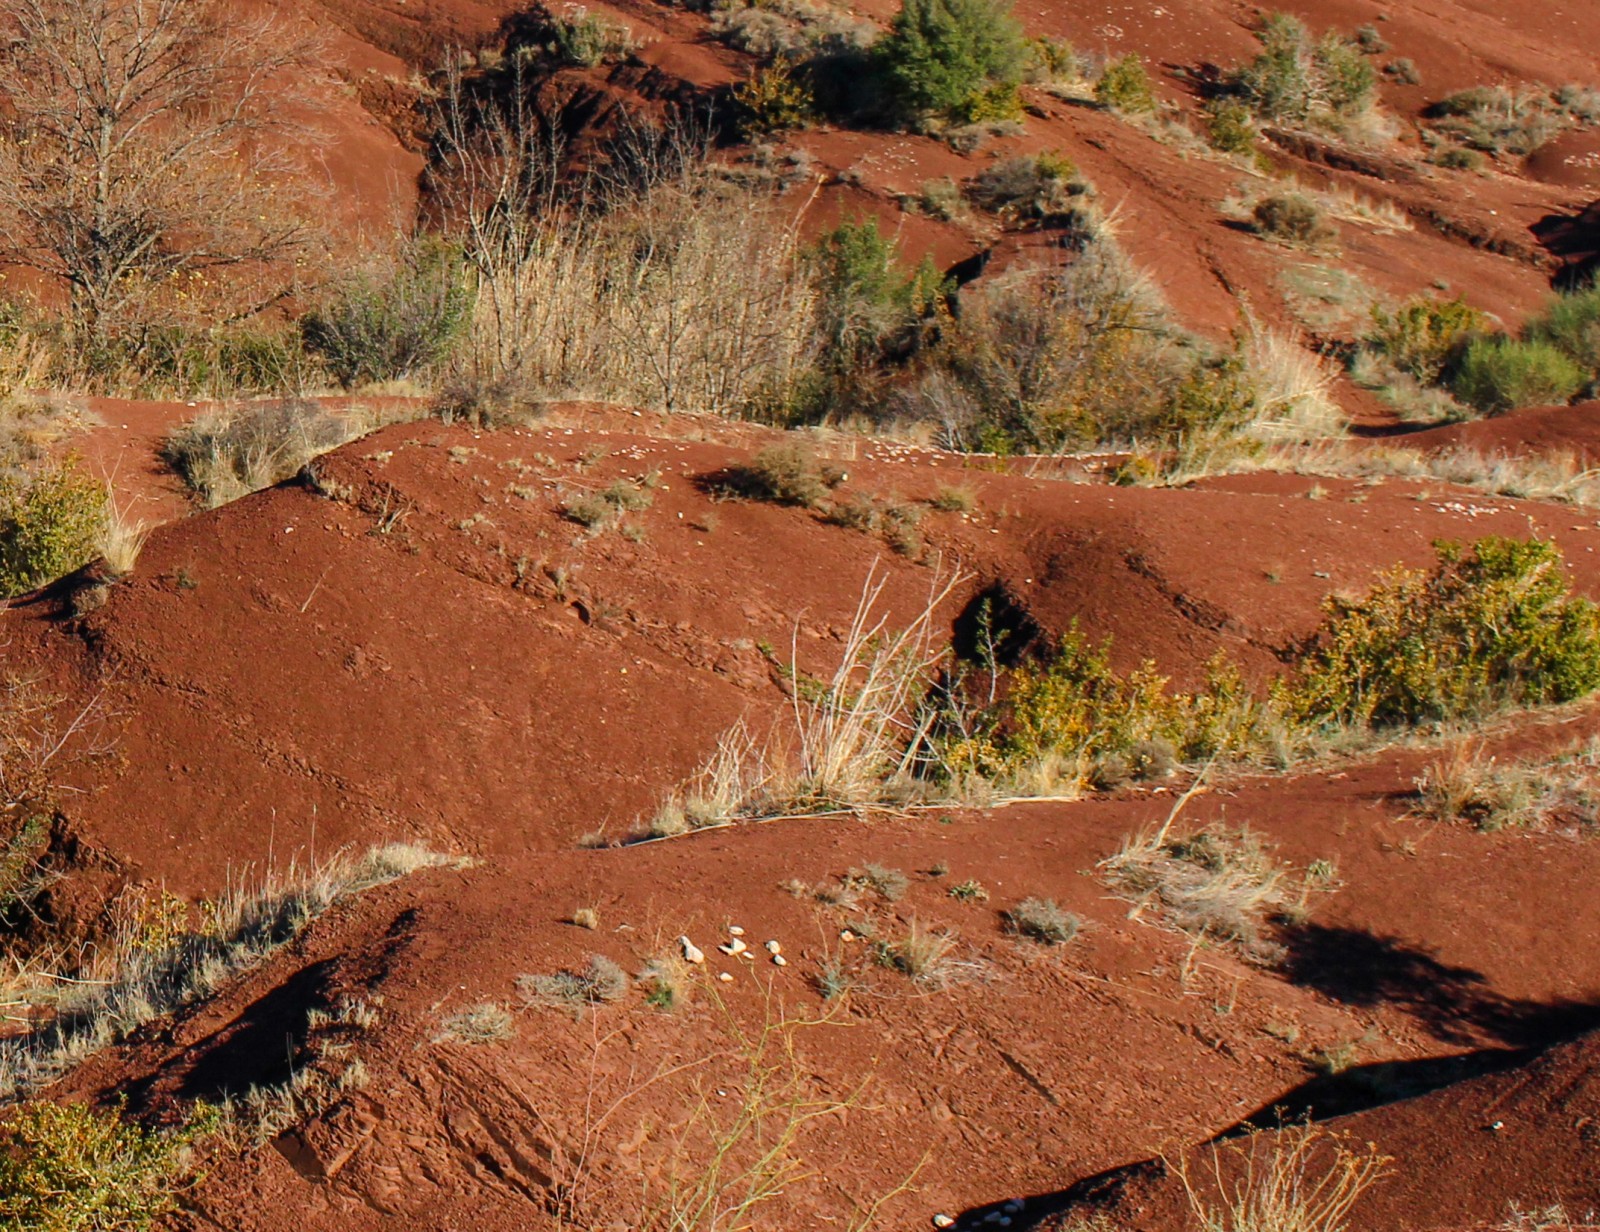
(1499, 119)
(1499, 374)
(1491, 625)
(956, 59)
(1125, 86)
(1571, 324)
(785, 475)
(1300, 80)
(1039, 187)
(52, 519)
(1425, 337)
(1293, 219)
(69, 1167)
(394, 323)
(1448, 344)
(577, 37)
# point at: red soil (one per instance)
(419, 646)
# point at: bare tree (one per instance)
(136, 156)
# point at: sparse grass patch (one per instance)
(1466, 785)
(600, 983)
(1500, 119)
(969, 891)
(888, 883)
(601, 511)
(668, 981)
(954, 500)
(1297, 1179)
(1039, 919)
(142, 975)
(923, 955)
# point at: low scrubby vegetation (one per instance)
(1490, 626)
(73, 1168)
(1443, 358)
(1466, 784)
(1299, 80)
(53, 519)
(1507, 119)
(1218, 885)
(160, 961)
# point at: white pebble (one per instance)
(778, 960)
(773, 947)
(725, 977)
(691, 952)
(735, 931)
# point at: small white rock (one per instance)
(773, 947)
(725, 977)
(846, 935)
(778, 960)
(942, 1220)
(691, 952)
(733, 947)
(735, 931)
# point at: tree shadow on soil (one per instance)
(1360, 969)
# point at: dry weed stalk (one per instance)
(857, 735)
(1309, 1182)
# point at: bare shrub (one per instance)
(1500, 119)
(1297, 1179)
(144, 172)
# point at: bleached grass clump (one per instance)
(131, 982)
(856, 735)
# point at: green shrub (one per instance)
(1229, 127)
(1489, 626)
(70, 1168)
(1296, 80)
(390, 325)
(222, 362)
(868, 303)
(1571, 322)
(773, 101)
(1425, 336)
(1125, 86)
(1292, 218)
(1052, 60)
(1498, 119)
(1073, 710)
(941, 55)
(1499, 374)
(579, 38)
(51, 521)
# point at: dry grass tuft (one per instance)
(1039, 919)
(122, 538)
(1466, 785)
(602, 982)
(489, 1023)
(1220, 885)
